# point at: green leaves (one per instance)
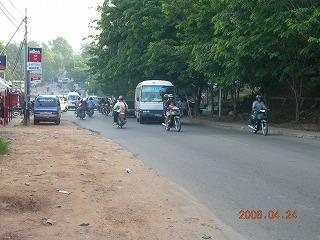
(196, 43)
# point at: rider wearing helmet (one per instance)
(257, 105)
(91, 103)
(165, 98)
(82, 106)
(120, 106)
(167, 106)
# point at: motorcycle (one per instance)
(121, 119)
(174, 120)
(261, 123)
(105, 110)
(90, 112)
(81, 114)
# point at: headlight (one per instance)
(145, 111)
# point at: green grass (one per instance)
(4, 147)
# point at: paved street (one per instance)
(230, 170)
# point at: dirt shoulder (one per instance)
(105, 201)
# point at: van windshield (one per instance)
(154, 93)
(73, 97)
(46, 102)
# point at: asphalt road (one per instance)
(230, 171)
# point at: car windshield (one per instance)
(73, 97)
(154, 93)
(46, 102)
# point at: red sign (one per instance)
(35, 55)
(35, 77)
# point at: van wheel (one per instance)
(138, 118)
(58, 122)
(141, 120)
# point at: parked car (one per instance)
(47, 109)
(63, 103)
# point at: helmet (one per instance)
(90, 98)
(120, 98)
(170, 96)
(258, 97)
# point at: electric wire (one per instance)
(12, 36)
(6, 9)
(17, 9)
(8, 17)
(18, 56)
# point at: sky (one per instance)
(48, 19)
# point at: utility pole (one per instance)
(26, 119)
(220, 102)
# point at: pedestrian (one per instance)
(1, 107)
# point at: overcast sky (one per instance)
(48, 19)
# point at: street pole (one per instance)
(220, 102)
(26, 119)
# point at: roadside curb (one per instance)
(243, 127)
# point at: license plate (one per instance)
(45, 114)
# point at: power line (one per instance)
(8, 12)
(12, 67)
(16, 8)
(8, 17)
(12, 36)
(18, 56)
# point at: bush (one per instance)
(4, 147)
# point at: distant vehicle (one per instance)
(63, 80)
(72, 99)
(47, 109)
(131, 110)
(148, 99)
(63, 103)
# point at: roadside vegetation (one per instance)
(267, 47)
(4, 147)
(59, 60)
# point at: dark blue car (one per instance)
(47, 109)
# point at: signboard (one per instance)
(34, 66)
(3, 63)
(34, 59)
(35, 77)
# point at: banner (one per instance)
(3, 63)
(34, 59)
(35, 77)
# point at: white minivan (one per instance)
(72, 99)
(148, 99)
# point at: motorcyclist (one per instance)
(120, 106)
(91, 104)
(257, 105)
(168, 104)
(102, 103)
(83, 105)
(114, 101)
